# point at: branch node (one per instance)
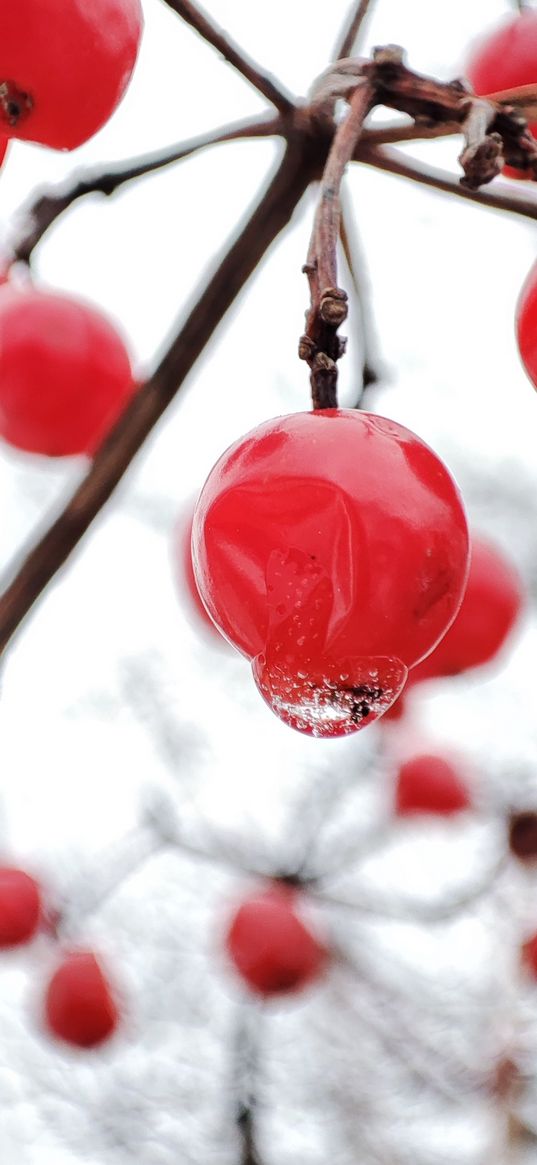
(333, 307)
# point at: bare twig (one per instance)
(235, 56)
(393, 162)
(349, 34)
(246, 1072)
(300, 165)
(48, 206)
(321, 346)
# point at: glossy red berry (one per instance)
(331, 548)
(64, 66)
(270, 946)
(430, 784)
(491, 605)
(20, 906)
(65, 374)
(506, 58)
(79, 1005)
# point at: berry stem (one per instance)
(235, 56)
(320, 346)
(47, 206)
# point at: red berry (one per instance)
(506, 58)
(65, 374)
(529, 956)
(20, 906)
(430, 784)
(270, 946)
(331, 548)
(490, 607)
(526, 324)
(64, 66)
(79, 1005)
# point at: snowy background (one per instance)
(113, 698)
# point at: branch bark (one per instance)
(349, 35)
(393, 162)
(300, 165)
(48, 206)
(263, 82)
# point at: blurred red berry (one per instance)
(523, 835)
(331, 548)
(20, 906)
(65, 374)
(64, 66)
(506, 58)
(526, 324)
(430, 784)
(270, 946)
(79, 1004)
(529, 956)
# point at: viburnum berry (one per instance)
(529, 956)
(506, 58)
(331, 548)
(79, 1004)
(64, 66)
(269, 945)
(526, 324)
(20, 906)
(65, 374)
(492, 603)
(428, 783)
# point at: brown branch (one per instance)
(392, 162)
(392, 134)
(301, 164)
(234, 55)
(48, 206)
(321, 346)
(349, 35)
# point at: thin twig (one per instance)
(394, 162)
(246, 1072)
(235, 56)
(321, 346)
(300, 165)
(48, 206)
(349, 34)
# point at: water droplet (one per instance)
(332, 703)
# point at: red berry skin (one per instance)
(506, 58)
(20, 907)
(491, 605)
(526, 324)
(430, 784)
(330, 548)
(79, 1005)
(65, 374)
(529, 956)
(66, 64)
(271, 948)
